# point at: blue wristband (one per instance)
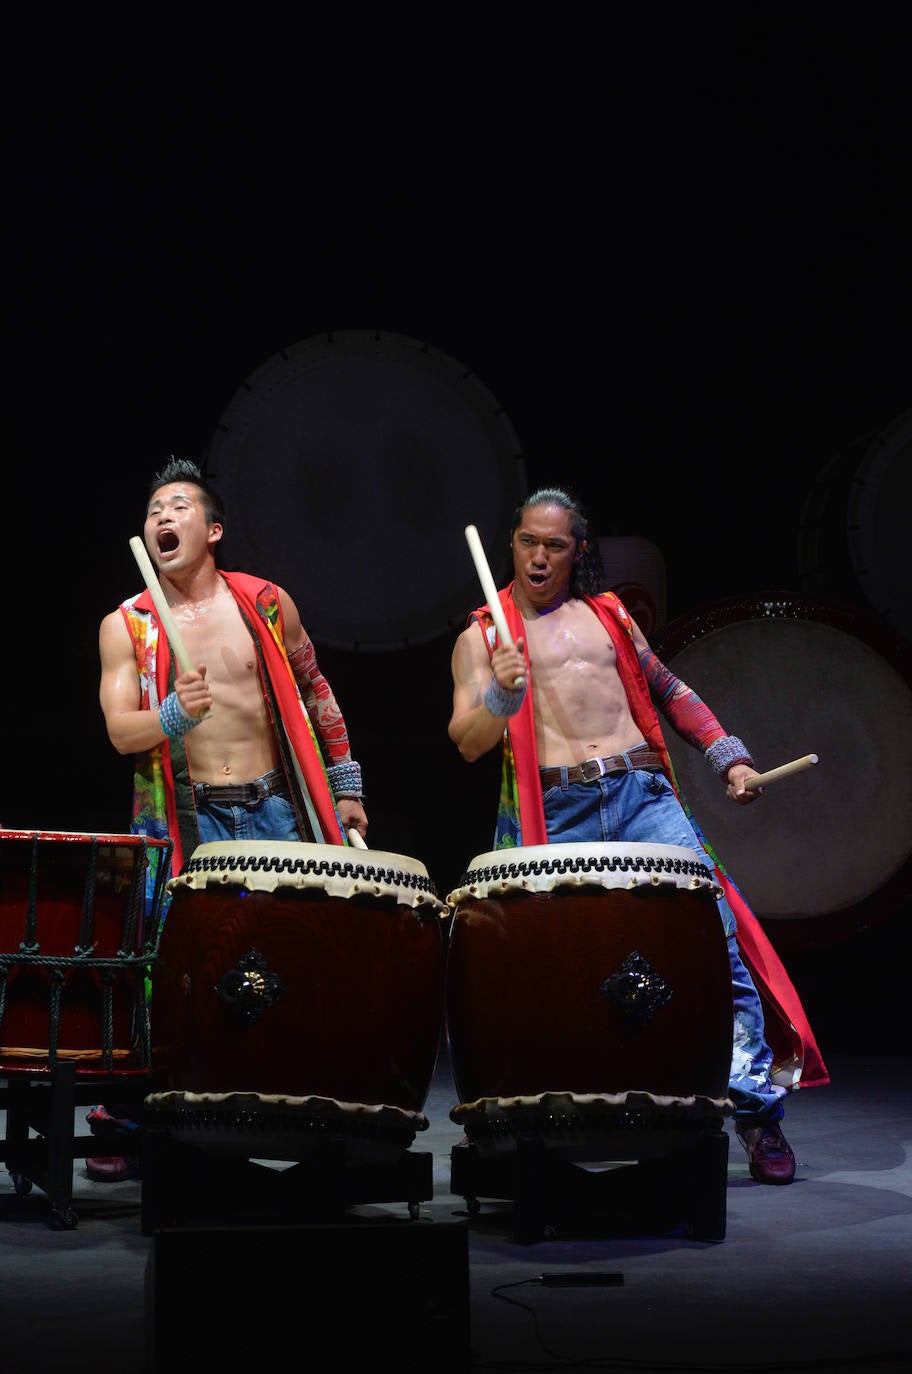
(503, 701)
(174, 719)
(345, 780)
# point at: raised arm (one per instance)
(132, 729)
(483, 694)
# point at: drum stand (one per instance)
(45, 1101)
(189, 1184)
(639, 1185)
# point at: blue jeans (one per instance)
(273, 818)
(640, 807)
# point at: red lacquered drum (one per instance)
(588, 969)
(79, 926)
(300, 970)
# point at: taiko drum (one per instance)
(300, 969)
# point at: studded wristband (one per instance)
(345, 781)
(174, 719)
(726, 752)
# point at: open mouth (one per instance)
(538, 579)
(167, 541)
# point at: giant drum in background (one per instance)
(588, 969)
(78, 938)
(300, 970)
(828, 852)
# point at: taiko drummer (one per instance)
(563, 679)
(210, 681)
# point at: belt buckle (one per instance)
(593, 777)
(260, 790)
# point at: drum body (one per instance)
(588, 969)
(77, 940)
(298, 970)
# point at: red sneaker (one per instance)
(769, 1154)
(107, 1169)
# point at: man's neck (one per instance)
(529, 610)
(194, 586)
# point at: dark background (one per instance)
(675, 248)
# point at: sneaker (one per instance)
(769, 1154)
(107, 1169)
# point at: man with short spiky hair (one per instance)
(249, 743)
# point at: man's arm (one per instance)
(483, 694)
(130, 728)
(319, 699)
(691, 718)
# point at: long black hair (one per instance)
(587, 574)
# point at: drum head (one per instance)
(553, 867)
(350, 465)
(335, 870)
(826, 851)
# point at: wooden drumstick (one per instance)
(178, 648)
(490, 590)
(355, 838)
(784, 771)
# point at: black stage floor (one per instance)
(813, 1276)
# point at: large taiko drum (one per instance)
(827, 852)
(79, 927)
(301, 971)
(588, 970)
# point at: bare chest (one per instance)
(214, 634)
(566, 641)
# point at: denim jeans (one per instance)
(273, 818)
(640, 807)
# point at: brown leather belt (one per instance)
(590, 770)
(242, 793)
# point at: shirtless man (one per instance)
(208, 734)
(587, 761)
(248, 744)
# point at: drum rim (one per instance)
(696, 623)
(75, 836)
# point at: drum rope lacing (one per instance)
(270, 863)
(592, 864)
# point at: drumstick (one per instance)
(784, 771)
(355, 838)
(487, 586)
(178, 647)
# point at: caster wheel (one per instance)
(414, 1210)
(473, 1206)
(21, 1184)
(65, 1220)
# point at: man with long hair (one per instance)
(574, 703)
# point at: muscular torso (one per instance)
(236, 742)
(581, 708)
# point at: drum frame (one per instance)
(40, 1093)
(134, 958)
